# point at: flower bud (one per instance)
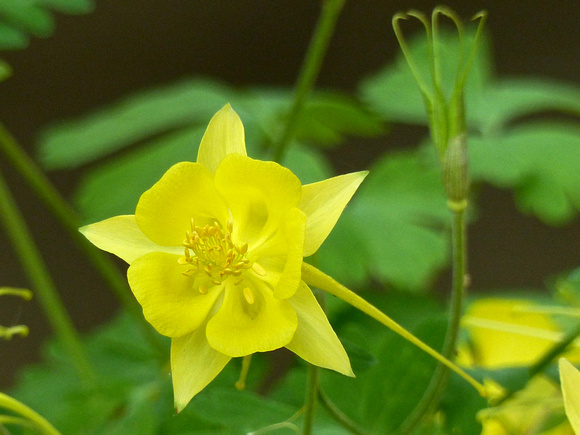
(456, 170)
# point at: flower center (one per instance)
(210, 252)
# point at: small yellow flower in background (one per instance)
(215, 251)
(513, 333)
(507, 333)
(537, 409)
(570, 379)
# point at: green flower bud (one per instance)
(455, 167)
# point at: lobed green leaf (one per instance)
(137, 118)
(395, 228)
(539, 161)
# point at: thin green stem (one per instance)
(438, 381)
(32, 417)
(309, 72)
(313, 376)
(37, 272)
(311, 399)
(71, 221)
(338, 415)
(316, 278)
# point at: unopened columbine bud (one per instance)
(455, 167)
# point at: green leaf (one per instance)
(5, 71)
(539, 161)
(327, 118)
(11, 38)
(394, 229)
(308, 164)
(69, 6)
(136, 172)
(240, 411)
(380, 397)
(149, 113)
(505, 100)
(21, 18)
(28, 17)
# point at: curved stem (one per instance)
(317, 278)
(32, 417)
(71, 221)
(338, 415)
(38, 274)
(309, 72)
(438, 381)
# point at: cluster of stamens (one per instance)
(211, 252)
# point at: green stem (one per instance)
(309, 72)
(438, 381)
(32, 417)
(71, 221)
(38, 274)
(311, 398)
(338, 415)
(317, 278)
(313, 375)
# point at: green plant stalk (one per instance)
(313, 374)
(32, 418)
(311, 399)
(338, 415)
(71, 221)
(316, 278)
(309, 72)
(38, 274)
(438, 381)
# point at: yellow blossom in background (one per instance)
(537, 409)
(570, 380)
(507, 333)
(510, 333)
(215, 250)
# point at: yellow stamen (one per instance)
(259, 269)
(249, 295)
(210, 252)
(241, 383)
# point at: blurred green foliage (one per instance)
(21, 19)
(394, 234)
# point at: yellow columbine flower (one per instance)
(216, 250)
(570, 378)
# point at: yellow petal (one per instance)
(503, 334)
(570, 378)
(170, 300)
(294, 229)
(224, 135)
(121, 236)
(194, 364)
(280, 257)
(323, 203)
(258, 194)
(315, 341)
(186, 191)
(241, 328)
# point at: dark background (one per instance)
(93, 60)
